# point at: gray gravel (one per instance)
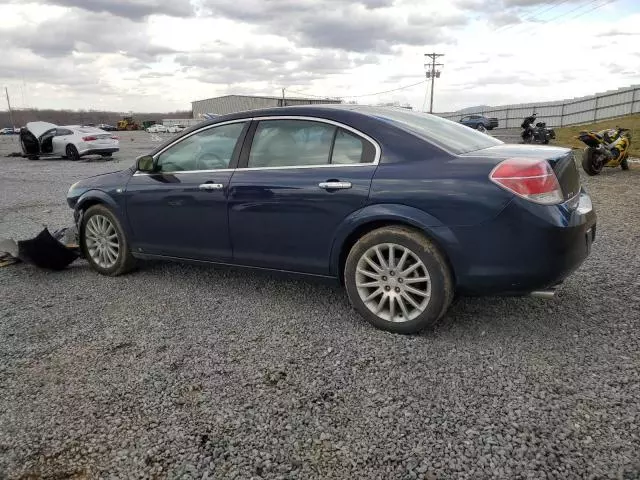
(190, 372)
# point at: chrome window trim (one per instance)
(178, 140)
(376, 159)
(376, 146)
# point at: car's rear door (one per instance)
(298, 179)
(62, 138)
(181, 210)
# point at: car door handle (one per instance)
(335, 185)
(211, 186)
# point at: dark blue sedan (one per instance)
(405, 209)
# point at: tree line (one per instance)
(80, 117)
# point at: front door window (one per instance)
(210, 149)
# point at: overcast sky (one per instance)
(159, 55)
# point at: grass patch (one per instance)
(566, 136)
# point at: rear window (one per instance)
(451, 136)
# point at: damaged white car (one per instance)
(43, 139)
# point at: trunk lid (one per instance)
(562, 162)
(100, 135)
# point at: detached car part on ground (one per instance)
(606, 148)
(49, 251)
(405, 209)
(43, 139)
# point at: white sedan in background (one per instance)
(43, 139)
(175, 128)
(157, 128)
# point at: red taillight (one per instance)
(529, 178)
(89, 138)
(115, 137)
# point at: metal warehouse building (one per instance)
(240, 103)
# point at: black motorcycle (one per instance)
(538, 133)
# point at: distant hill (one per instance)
(474, 109)
(80, 117)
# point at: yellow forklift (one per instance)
(128, 123)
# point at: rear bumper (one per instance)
(527, 247)
(99, 151)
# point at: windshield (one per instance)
(451, 136)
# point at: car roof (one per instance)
(337, 112)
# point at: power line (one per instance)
(530, 28)
(592, 9)
(531, 16)
(571, 11)
(362, 95)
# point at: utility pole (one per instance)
(432, 73)
(283, 101)
(6, 91)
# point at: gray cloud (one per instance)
(132, 9)
(616, 33)
(92, 33)
(279, 65)
(356, 26)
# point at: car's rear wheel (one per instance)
(398, 280)
(482, 128)
(103, 242)
(72, 153)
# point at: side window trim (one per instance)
(233, 164)
(248, 142)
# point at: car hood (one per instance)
(38, 128)
(105, 180)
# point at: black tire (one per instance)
(625, 163)
(441, 278)
(590, 163)
(72, 153)
(33, 157)
(125, 261)
(481, 128)
(105, 155)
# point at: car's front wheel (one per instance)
(104, 243)
(398, 280)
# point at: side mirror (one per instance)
(145, 163)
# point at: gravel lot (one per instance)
(191, 372)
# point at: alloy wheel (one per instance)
(102, 241)
(393, 283)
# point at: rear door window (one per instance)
(291, 143)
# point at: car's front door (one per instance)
(181, 209)
(300, 179)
